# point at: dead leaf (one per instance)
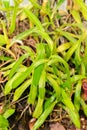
(1, 108)
(56, 126)
(78, 129)
(31, 123)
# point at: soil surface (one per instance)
(58, 120)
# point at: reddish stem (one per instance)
(84, 87)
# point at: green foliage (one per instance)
(3, 122)
(70, 109)
(57, 58)
(43, 117)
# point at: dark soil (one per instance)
(22, 118)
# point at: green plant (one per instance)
(56, 66)
(4, 124)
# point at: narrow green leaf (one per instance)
(77, 95)
(27, 73)
(41, 96)
(75, 78)
(77, 55)
(55, 85)
(34, 19)
(70, 109)
(55, 59)
(74, 47)
(8, 113)
(67, 35)
(5, 34)
(3, 122)
(47, 38)
(76, 16)
(34, 3)
(83, 69)
(83, 8)
(49, 101)
(19, 91)
(30, 51)
(44, 115)
(17, 64)
(36, 74)
(67, 100)
(13, 20)
(84, 106)
(64, 47)
(38, 109)
(23, 35)
(74, 116)
(2, 40)
(22, 77)
(58, 4)
(19, 77)
(5, 58)
(6, 3)
(8, 67)
(11, 83)
(40, 28)
(71, 51)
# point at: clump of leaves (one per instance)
(57, 58)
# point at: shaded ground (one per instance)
(58, 120)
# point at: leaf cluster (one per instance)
(57, 59)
